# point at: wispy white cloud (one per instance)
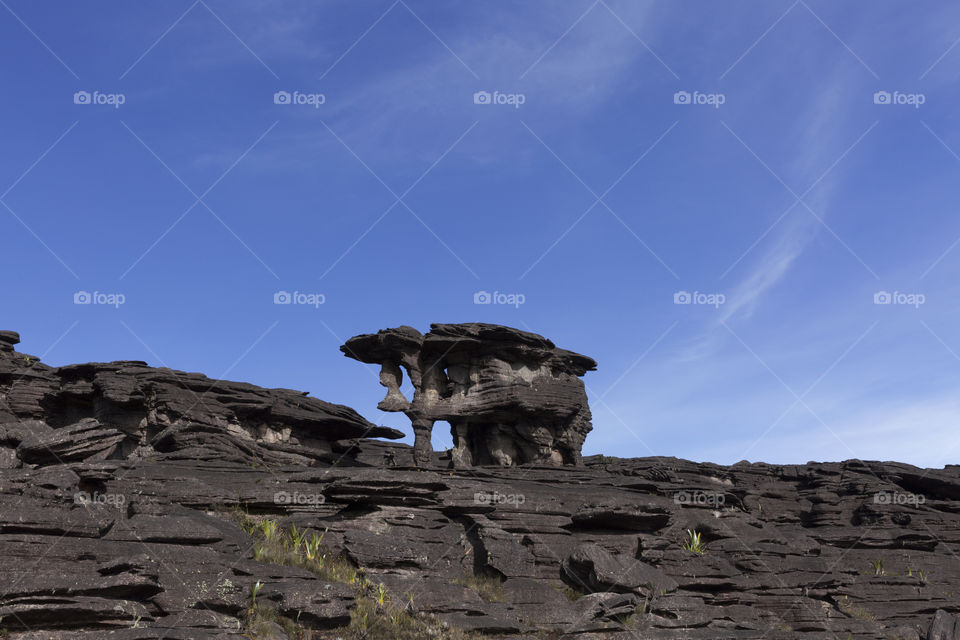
(823, 128)
(775, 264)
(919, 431)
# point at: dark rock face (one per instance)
(139, 547)
(510, 396)
(121, 410)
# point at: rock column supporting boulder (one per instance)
(422, 446)
(511, 397)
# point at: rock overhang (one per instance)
(511, 396)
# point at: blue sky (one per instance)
(784, 161)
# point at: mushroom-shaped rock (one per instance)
(510, 396)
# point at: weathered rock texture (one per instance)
(510, 396)
(121, 410)
(139, 548)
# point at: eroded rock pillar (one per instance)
(391, 377)
(422, 445)
(461, 457)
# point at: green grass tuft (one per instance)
(375, 616)
(693, 543)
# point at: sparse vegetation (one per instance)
(490, 588)
(571, 594)
(694, 543)
(294, 548)
(878, 567)
(261, 617)
(375, 616)
(371, 621)
(852, 610)
(920, 575)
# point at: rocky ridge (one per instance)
(105, 535)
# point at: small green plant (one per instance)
(254, 592)
(269, 528)
(297, 537)
(311, 547)
(878, 567)
(694, 543)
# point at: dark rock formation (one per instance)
(510, 396)
(138, 547)
(120, 410)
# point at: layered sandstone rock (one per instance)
(144, 547)
(510, 396)
(119, 410)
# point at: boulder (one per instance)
(511, 396)
(595, 569)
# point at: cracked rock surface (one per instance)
(102, 538)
